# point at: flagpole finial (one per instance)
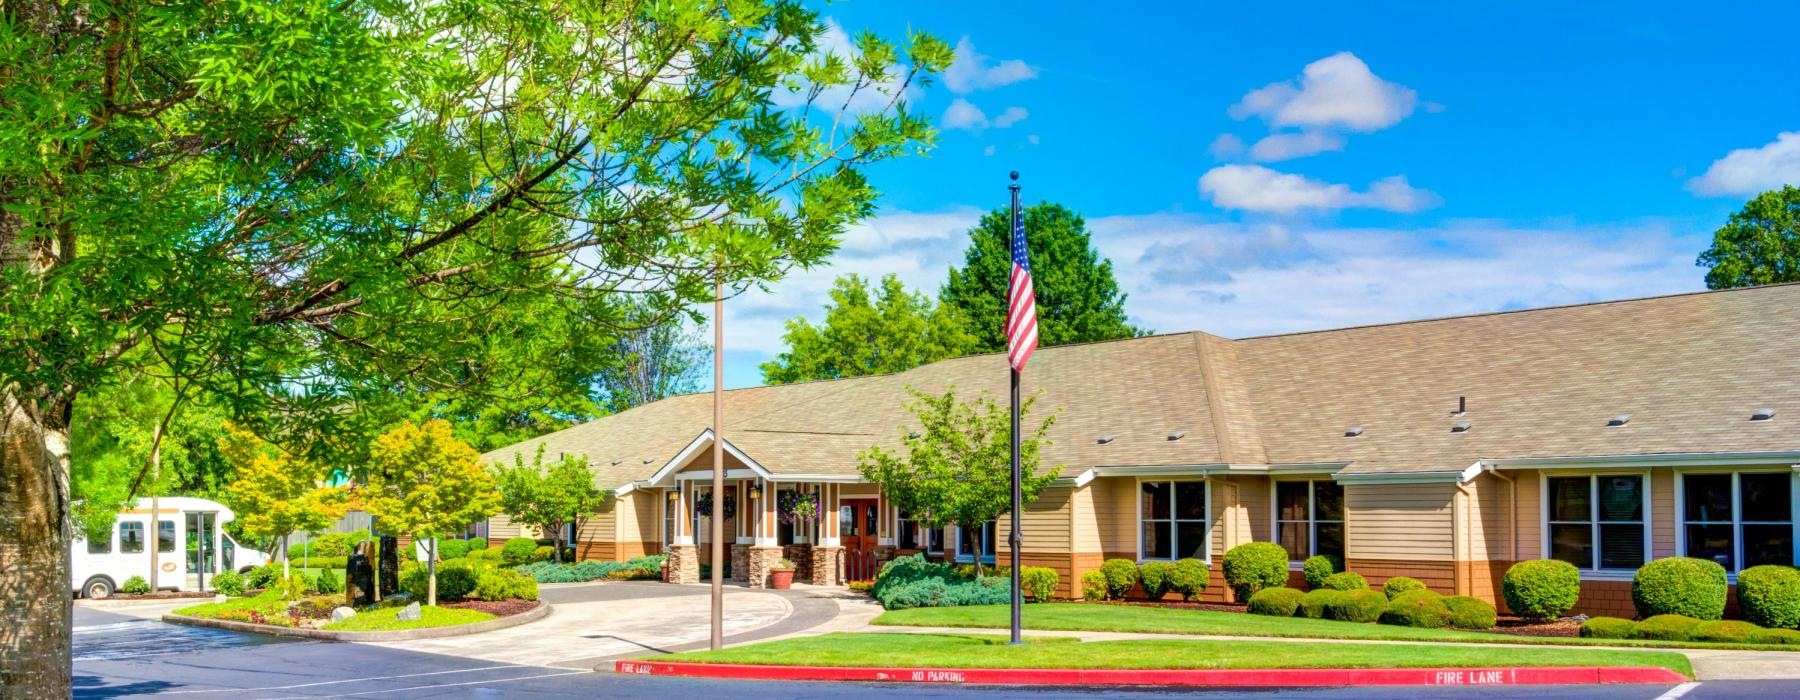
(1015, 176)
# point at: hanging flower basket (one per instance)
(797, 508)
(703, 506)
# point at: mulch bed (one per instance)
(497, 608)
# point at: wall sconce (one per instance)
(675, 494)
(755, 490)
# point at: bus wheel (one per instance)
(97, 588)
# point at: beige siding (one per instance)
(1399, 521)
(1116, 515)
(1531, 513)
(1662, 513)
(1084, 524)
(636, 515)
(1240, 511)
(500, 529)
(1486, 521)
(1044, 523)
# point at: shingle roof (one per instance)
(1689, 368)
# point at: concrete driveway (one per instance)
(595, 623)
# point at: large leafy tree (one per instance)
(659, 355)
(894, 331)
(1078, 300)
(955, 467)
(275, 493)
(425, 483)
(115, 428)
(551, 497)
(328, 203)
(1757, 245)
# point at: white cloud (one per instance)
(1256, 188)
(973, 71)
(963, 114)
(1749, 171)
(1338, 91)
(1287, 145)
(1226, 147)
(988, 151)
(1033, 139)
(1011, 116)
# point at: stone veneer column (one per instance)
(827, 566)
(740, 562)
(684, 563)
(762, 559)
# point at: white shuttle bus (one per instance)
(97, 567)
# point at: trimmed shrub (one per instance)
(1038, 582)
(484, 555)
(1770, 595)
(320, 562)
(329, 581)
(135, 585)
(1317, 567)
(1401, 584)
(1093, 584)
(1313, 603)
(913, 582)
(1416, 609)
(455, 580)
(644, 567)
(1253, 566)
(1777, 636)
(263, 576)
(230, 583)
(968, 571)
(477, 544)
(331, 544)
(1189, 578)
(543, 553)
(1471, 613)
(1279, 602)
(1668, 628)
(1346, 581)
(355, 538)
(1356, 606)
(452, 549)
(1724, 631)
(1608, 628)
(505, 584)
(1541, 589)
(1680, 586)
(518, 550)
(1121, 575)
(1154, 577)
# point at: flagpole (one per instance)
(716, 520)
(1014, 539)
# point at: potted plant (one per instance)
(782, 576)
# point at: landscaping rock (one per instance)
(220, 598)
(409, 613)
(341, 613)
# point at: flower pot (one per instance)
(781, 579)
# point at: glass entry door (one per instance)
(202, 540)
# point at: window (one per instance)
(913, 536)
(131, 538)
(165, 536)
(1597, 522)
(1738, 519)
(1172, 520)
(101, 544)
(965, 543)
(669, 517)
(1309, 518)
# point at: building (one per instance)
(1604, 434)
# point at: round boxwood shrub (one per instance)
(477, 543)
(1189, 578)
(1154, 576)
(1767, 636)
(1121, 575)
(1471, 613)
(1093, 584)
(454, 581)
(1346, 581)
(1253, 566)
(1317, 567)
(1356, 606)
(1770, 595)
(1541, 589)
(1680, 586)
(1608, 628)
(452, 549)
(518, 550)
(1668, 628)
(1401, 584)
(1724, 631)
(1313, 603)
(1416, 609)
(1279, 602)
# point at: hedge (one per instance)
(1680, 586)
(1038, 582)
(1541, 589)
(1770, 595)
(505, 584)
(1768, 636)
(1401, 584)
(1253, 566)
(1121, 576)
(1154, 576)
(1725, 631)
(1279, 602)
(1356, 606)
(1471, 613)
(1317, 567)
(1313, 603)
(1093, 585)
(320, 562)
(1416, 609)
(1608, 628)
(1668, 628)
(1347, 581)
(1189, 578)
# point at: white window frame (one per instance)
(1737, 523)
(1593, 521)
(994, 541)
(668, 520)
(1137, 499)
(1312, 516)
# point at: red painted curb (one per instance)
(1286, 677)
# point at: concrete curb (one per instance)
(542, 610)
(1264, 678)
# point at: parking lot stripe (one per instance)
(346, 680)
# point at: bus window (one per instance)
(165, 536)
(131, 538)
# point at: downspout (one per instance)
(1512, 511)
(1458, 533)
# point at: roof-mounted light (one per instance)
(1353, 431)
(1461, 427)
(1763, 414)
(1618, 420)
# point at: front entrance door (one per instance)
(858, 526)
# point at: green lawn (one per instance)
(268, 603)
(387, 619)
(932, 650)
(1145, 619)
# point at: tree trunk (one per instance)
(35, 600)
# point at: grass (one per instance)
(936, 650)
(387, 619)
(268, 603)
(1145, 619)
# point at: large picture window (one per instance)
(1309, 518)
(1738, 519)
(965, 543)
(1597, 522)
(1172, 519)
(912, 536)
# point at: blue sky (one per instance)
(1264, 168)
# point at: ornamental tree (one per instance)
(551, 497)
(389, 199)
(955, 467)
(425, 483)
(276, 494)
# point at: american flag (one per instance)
(1021, 302)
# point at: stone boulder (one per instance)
(341, 613)
(409, 613)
